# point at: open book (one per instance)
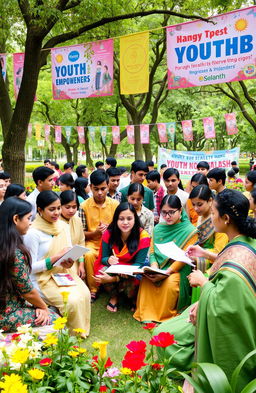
(132, 270)
(74, 253)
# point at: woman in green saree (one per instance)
(225, 315)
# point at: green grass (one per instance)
(117, 328)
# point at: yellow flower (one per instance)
(180, 389)
(126, 371)
(81, 350)
(102, 346)
(74, 354)
(59, 323)
(79, 330)
(65, 295)
(13, 384)
(20, 356)
(50, 339)
(37, 374)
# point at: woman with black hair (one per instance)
(15, 190)
(225, 314)
(15, 264)
(81, 189)
(66, 182)
(48, 240)
(253, 202)
(196, 179)
(125, 243)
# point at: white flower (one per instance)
(25, 329)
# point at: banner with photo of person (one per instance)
(3, 64)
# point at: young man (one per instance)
(99, 165)
(153, 179)
(110, 163)
(47, 162)
(7, 178)
(139, 170)
(114, 180)
(234, 164)
(203, 167)
(217, 179)
(96, 214)
(43, 177)
(172, 183)
(82, 171)
(3, 187)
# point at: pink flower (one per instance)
(137, 346)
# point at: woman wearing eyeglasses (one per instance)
(161, 297)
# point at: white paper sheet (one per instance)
(74, 253)
(170, 250)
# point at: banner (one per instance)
(92, 133)
(103, 134)
(161, 127)
(38, 131)
(134, 63)
(58, 136)
(130, 134)
(47, 132)
(201, 53)
(30, 130)
(85, 70)
(186, 161)
(3, 64)
(18, 61)
(187, 130)
(171, 130)
(209, 129)
(80, 131)
(68, 132)
(144, 133)
(231, 126)
(116, 135)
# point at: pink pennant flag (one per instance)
(116, 135)
(81, 137)
(30, 129)
(57, 134)
(162, 132)
(47, 132)
(209, 129)
(187, 130)
(144, 133)
(231, 126)
(130, 134)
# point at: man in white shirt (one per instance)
(43, 177)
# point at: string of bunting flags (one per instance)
(166, 131)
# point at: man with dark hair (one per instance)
(110, 162)
(43, 177)
(139, 170)
(203, 167)
(234, 164)
(7, 178)
(82, 171)
(153, 179)
(99, 165)
(150, 164)
(47, 162)
(3, 187)
(114, 180)
(96, 214)
(217, 179)
(68, 168)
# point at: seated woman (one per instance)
(196, 179)
(48, 240)
(69, 206)
(15, 190)
(82, 189)
(15, 264)
(253, 202)
(135, 197)
(125, 243)
(162, 297)
(226, 309)
(66, 182)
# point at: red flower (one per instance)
(157, 366)
(45, 362)
(137, 346)
(16, 336)
(150, 326)
(95, 361)
(134, 360)
(103, 389)
(163, 339)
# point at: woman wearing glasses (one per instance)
(162, 297)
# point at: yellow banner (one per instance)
(134, 63)
(38, 131)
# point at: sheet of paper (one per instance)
(74, 253)
(170, 250)
(122, 269)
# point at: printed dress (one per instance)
(17, 311)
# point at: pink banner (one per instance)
(201, 53)
(47, 131)
(30, 130)
(161, 127)
(81, 71)
(144, 133)
(80, 131)
(3, 64)
(57, 134)
(116, 135)
(231, 126)
(187, 130)
(130, 134)
(209, 129)
(18, 61)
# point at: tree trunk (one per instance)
(147, 151)
(67, 149)
(89, 161)
(138, 151)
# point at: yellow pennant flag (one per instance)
(134, 63)
(38, 131)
